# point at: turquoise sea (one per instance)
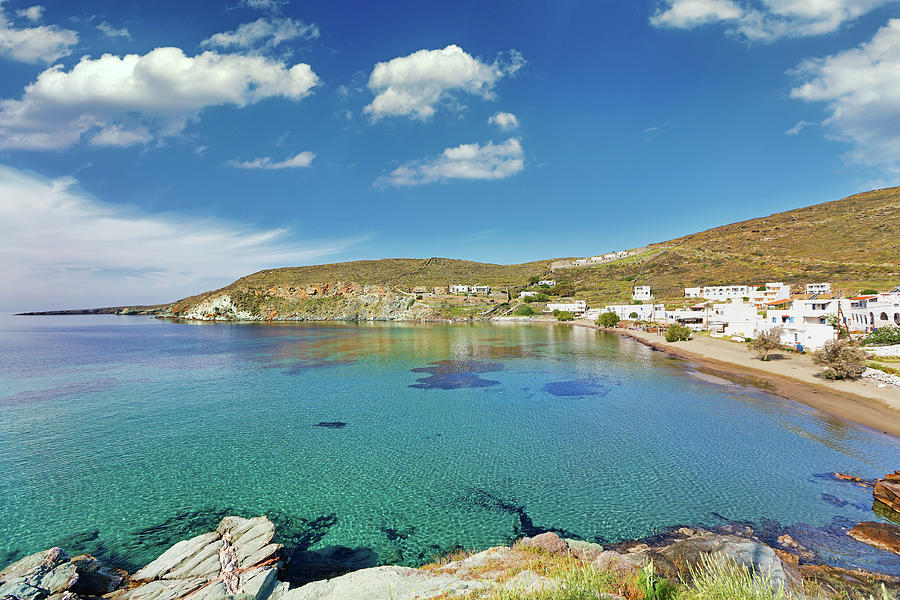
(389, 443)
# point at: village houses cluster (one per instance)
(808, 318)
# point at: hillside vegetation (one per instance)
(854, 243)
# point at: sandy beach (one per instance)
(791, 376)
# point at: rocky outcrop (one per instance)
(52, 573)
(337, 301)
(887, 491)
(239, 557)
(881, 535)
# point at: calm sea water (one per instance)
(122, 435)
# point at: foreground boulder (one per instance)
(887, 491)
(379, 583)
(238, 558)
(53, 572)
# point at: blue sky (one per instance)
(150, 151)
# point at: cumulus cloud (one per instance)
(264, 33)
(412, 85)
(467, 161)
(62, 248)
(163, 89)
(861, 87)
(303, 159)
(45, 43)
(120, 136)
(504, 120)
(32, 13)
(765, 20)
(113, 32)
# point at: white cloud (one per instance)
(272, 6)
(685, 14)
(263, 32)
(303, 159)
(61, 248)
(32, 13)
(34, 44)
(164, 89)
(412, 85)
(798, 127)
(862, 89)
(113, 32)
(467, 161)
(121, 137)
(504, 120)
(765, 20)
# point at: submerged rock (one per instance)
(53, 573)
(880, 535)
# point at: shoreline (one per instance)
(878, 411)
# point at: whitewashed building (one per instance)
(484, 290)
(770, 292)
(641, 292)
(572, 306)
(718, 292)
(644, 312)
(527, 294)
(621, 254)
(818, 288)
(549, 282)
(459, 289)
(735, 318)
(802, 336)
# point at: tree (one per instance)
(677, 333)
(523, 311)
(841, 360)
(633, 315)
(766, 342)
(869, 292)
(608, 319)
(565, 315)
(536, 298)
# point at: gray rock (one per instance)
(38, 576)
(529, 582)
(48, 558)
(548, 542)
(587, 551)
(754, 555)
(96, 578)
(381, 583)
(621, 565)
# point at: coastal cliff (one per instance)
(337, 301)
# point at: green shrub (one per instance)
(654, 587)
(840, 359)
(524, 310)
(608, 319)
(883, 336)
(715, 578)
(565, 315)
(677, 333)
(868, 292)
(633, 315)
(536, 298)
(410, 303)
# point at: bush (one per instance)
(766, 342)
(562, 290)
(883, 336)
(840, 359)
(536, 298)
(608, 319)
(869, 292)
(565, 315)
(633, 315)
(524, 311)
(677, 333)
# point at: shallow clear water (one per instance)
(122, 435)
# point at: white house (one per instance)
(550, 282)
(596, 259)
(621, 253)
(803, 336)
(573, 306)
(644, 312)
(735, 318)
(769, 293)
(695, 319)
(718, 292)
(818, 288)
(481, 289)
(693, 292)
(871, 312)
(641, 292)
(609, 256)
(459, 289)
(527, 294)
(582, 261)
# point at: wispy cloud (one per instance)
(301, 160)
(798, 127)
(263, 33)
(113, 32)
(62, 248)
